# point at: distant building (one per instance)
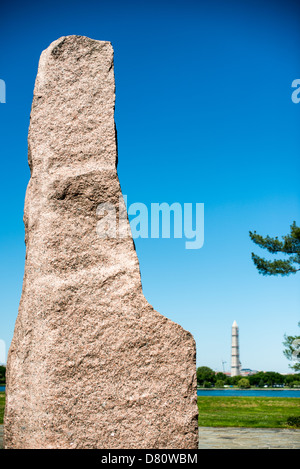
(248, 372)
(235, 352)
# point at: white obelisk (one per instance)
(235, 353)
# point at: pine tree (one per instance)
(290, 246)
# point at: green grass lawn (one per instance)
(2, 402)
(255, 412)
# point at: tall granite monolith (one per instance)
(91, 364)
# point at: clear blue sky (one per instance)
(204, 114)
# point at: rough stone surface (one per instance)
(91, 364)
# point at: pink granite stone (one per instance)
(91, 364)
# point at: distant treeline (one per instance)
(2, 375)
(206, 377)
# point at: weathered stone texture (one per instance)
(91, 364)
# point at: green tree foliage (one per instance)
(207, 378)
(206, 384)
(222, 377)
(235, 379)
(290, 245)
(290, 351)
(219, 383)
(205, 375)
(244, 383)
(2, 375)
(296, 384)
(271, 378)
(289, 379)
(257, 379)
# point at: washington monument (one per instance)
(235, 353)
